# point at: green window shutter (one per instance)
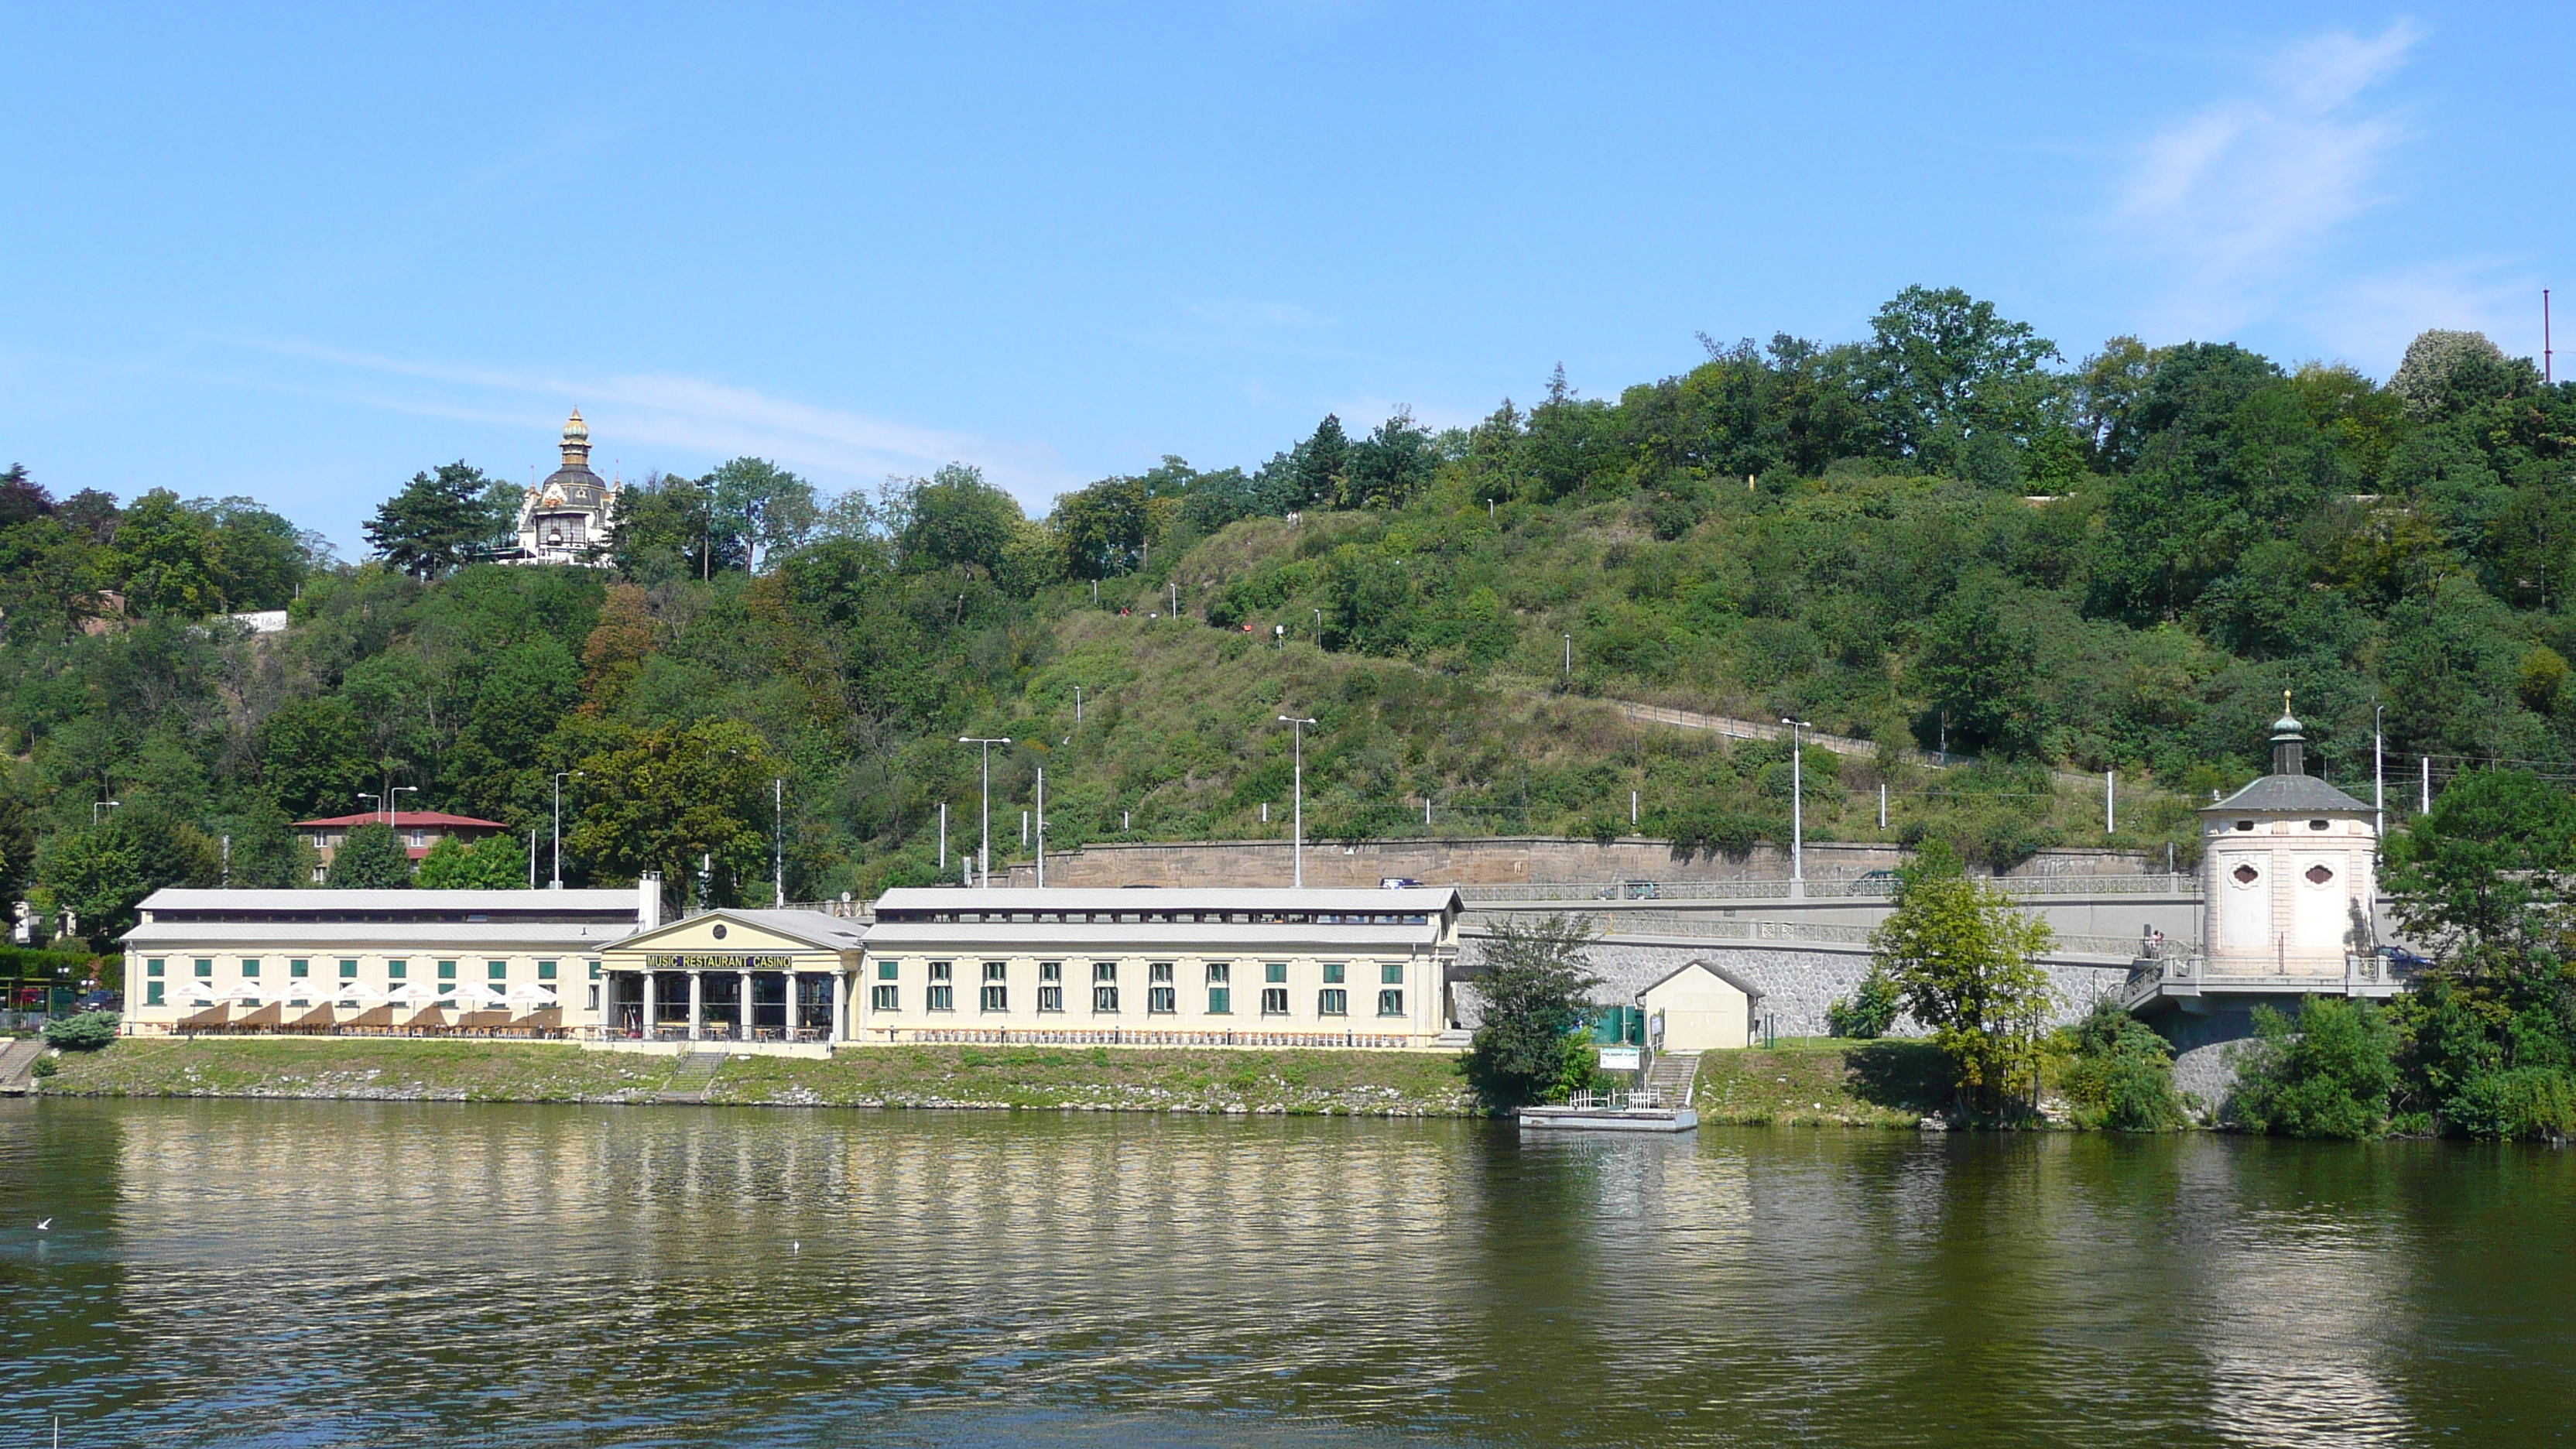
(397, 969)
(594, 971)
(348, 970)
(446, 970)
(299, 969)
(496, 970)
(1333, 972)
(250, 966)
(152, 967)
(1390, 974)
(888, 970)
(152, 994)
(545, 971)
(1274, 970)
(205, 968)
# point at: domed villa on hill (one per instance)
(571, 517)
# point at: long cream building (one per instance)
(1321, 968)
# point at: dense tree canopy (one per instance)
(1940, 533)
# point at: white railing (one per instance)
(1639, 1099)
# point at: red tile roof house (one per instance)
(418, 830)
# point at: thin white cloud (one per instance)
(2373, 318)
(708, 419)
(2236, 199)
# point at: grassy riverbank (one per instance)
(1841, 1084)
(1306, 1082)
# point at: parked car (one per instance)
(101, 1001)
(2401, 959)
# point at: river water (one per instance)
(307, 1274)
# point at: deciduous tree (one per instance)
(1967, 962)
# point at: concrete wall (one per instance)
(1797, 982)
(1490, 860)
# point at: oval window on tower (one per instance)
(720, 931)
(2246, 875)
(2319, 875)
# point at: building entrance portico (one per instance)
(749, 978)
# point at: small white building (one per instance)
(1159, 967)
(1700, 1006)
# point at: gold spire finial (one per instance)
(576, 441)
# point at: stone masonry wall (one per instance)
(1504, 860)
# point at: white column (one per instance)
(697, 1002)
(744, 1011)
(840, 1000)
(648, 1004)
(787, 1005)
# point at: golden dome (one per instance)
(576, 441)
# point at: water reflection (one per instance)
(242, 1273)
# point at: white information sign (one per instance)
(1620, 1058)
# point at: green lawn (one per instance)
(1371, 1083)
(1852, 1084)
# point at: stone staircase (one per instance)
(1672, 1075)
(692, 1077)
(17, 1063)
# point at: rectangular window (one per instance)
(1274, 1001)
(545, 971)
(348, 970)
(299, 969)
(1332, 973)
(1162, 998)
(882, 997)
(1104, 986)
(594, 998)
(594, 971)
(152, 994)
(1274, 972)
(1390, 1003)
(997, 987)
(1050, 986)
(889, 970)
(397, 969)
(496, 971)
(152, 967)
(1390, 973)
(943, 993)
(1220, 1001)
(1332, 1001)
(1220, 973)
(205, 968)
(250, 967)
(446, 970)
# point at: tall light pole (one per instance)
(1569, 656)
(1297, 847)
(1077, 704)
(778, 844)
(1797, 811)
(97, 805)
(2378, 778)
(1041, 827)
(376, 809)
(984, 858)
(557, 883)
(393, 805)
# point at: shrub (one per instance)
(86, 1032)
(2120, 1074)
(46, 1067)
(1869, 1011)
(2521, 1102)
(2327, 1074)
(1534, 983)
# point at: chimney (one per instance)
(648, 901)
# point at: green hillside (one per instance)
(1937, 537)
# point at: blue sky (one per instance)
(300, 255)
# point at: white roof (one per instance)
(890, 938)
(307, 902)
(816, 928)
(415, 937)
(1412, 900)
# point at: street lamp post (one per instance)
(376, 809)
(1797, 811)
(2378, 777)
(1077, 704)
(1569, 656)
(984, 857)
(1297, 847)
(557, 883)
(778, 843)
(97, 805)
(393, 806)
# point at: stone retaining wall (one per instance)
(1497, 860)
